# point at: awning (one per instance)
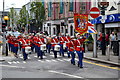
(112, 25)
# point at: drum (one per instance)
(64, 45)
(27, 50)
(57, 48)
(43, 47)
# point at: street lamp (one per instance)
(103, 6)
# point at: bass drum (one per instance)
(57, 48)
(43, 47)
(27, 50)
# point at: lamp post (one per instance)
(103, 6)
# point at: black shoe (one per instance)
(68, 56)
(81, 67)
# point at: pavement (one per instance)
(114, 60)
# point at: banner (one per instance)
(81, 23)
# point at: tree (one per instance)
(37, 8)
(12, 16)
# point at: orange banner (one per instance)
(81, 23)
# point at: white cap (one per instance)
(67, 34)
(72, 37)
(77, 34)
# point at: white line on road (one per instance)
(47, 60)
(24, 62)
(40, 61)
(59, 59)
(53, 60)
(11, 66)
(66, 59)
(35, 56)
(65, 74)
(9, 62)
(14, 62)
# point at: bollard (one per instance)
(119, 49)
(108, 52)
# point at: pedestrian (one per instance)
(99, 40)
(112, 39)
(107, 39)
(79, 49)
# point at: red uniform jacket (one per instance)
(62, 40)
(29, 41)
(40, 41)
(67, 39)
(15, 42)
(71, 45)
(24, 43)
(54, 42)
(78, 44)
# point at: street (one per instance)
(55, 68)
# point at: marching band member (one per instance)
(79, 49)
(35, 38)
(71, 48)
(16, 44)
(40, 41)
(61, 39)
(54, 41)
(67, 40)
(48, 44)
(29, 41)
(24, 44)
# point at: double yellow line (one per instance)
(116, 68)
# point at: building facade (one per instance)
(59, 15)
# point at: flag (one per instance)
(81, 23)
(91, 28)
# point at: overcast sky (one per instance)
(13, 3)
(20, 3)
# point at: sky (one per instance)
(12, 3)
(20, 3)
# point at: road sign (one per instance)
(94, 12)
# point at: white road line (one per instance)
(9, 62)
(14, 62)
(11, 66)
(48, 60)
(21, 57)
(65, 74)
(76, 59)
(24, 62)
(35, 56)
(59, 59)
(44, 57)
(40, 61)
(17, 61)
(66, 59)
(53, 60)
(29, 58)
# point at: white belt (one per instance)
(16, 43)
(78, 46)
(72, 47)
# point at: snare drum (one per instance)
(57, 48)
(43, 47)
(27, 50)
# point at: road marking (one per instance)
(29, 58)
(35, 56)
(14, 62)
(21, 57)
(17, 62)
(40, 61)
(101, 65)
(53, 60)
(48, 60)
(59, 59)
(11, 66)
(66, 59)
(24, 62)
(9, 62)
(44, 57)
(65, 74)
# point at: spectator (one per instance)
(99, 40)
(107, 39)
(112, 39)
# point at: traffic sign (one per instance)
(94, 12)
